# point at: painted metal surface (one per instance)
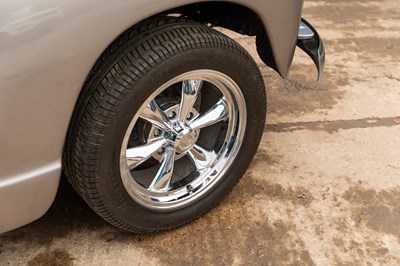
(26, 197)
(48, 47)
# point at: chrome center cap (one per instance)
(185, 140)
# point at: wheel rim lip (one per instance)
(177, 199)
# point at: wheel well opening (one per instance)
(240, 19)
(235, 17)
(231, 16)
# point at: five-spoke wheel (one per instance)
(170, 132)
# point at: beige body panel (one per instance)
(47, 49)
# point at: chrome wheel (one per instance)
(182, 141)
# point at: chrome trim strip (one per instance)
(305, 33)
(314, 47)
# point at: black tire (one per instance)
(139, 61)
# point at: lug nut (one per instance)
(172, 115)
(161, 151)
(189, 116)
(157, 133)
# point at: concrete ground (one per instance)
(323, 189)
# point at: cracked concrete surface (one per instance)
(323, 189)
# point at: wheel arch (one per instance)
(242, 19)
(276, 29)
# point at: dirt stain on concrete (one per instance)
(300, 94)
(263, 156)
(256, 243)
(369, 50)
(232, 233)
(273, 191)
(379, 211)
(334, 126)
(361, 253)
(340, 13)
(56, 257)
